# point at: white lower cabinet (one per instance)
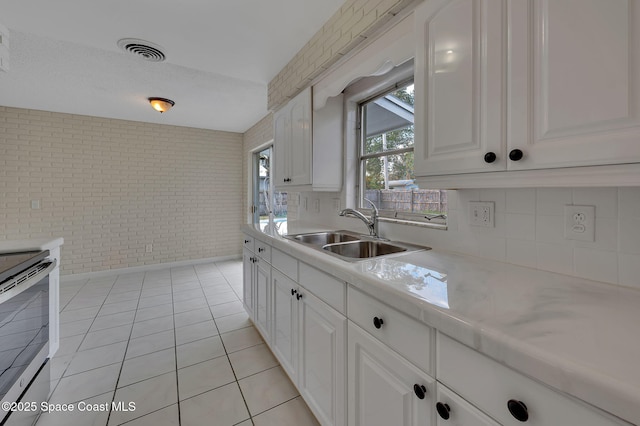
(256, 291)
(262, 297)
(322, 355)
(247, 280)
(284, 311)
(508, 396)
(309, 340)
(384, 388)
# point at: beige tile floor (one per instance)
(177, 343)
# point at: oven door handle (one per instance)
(23, 281)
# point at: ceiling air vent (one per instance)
(144, 49)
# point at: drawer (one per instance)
(452, 410)
(410, 338)
(247, 241)
(490, 386)
(284, 263)
(263, 250)
(330, 290)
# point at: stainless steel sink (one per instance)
(363, 249)
(324, 238)
(352, 247)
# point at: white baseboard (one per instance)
(144, 268)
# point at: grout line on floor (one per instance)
(115, 390)
(235, 376)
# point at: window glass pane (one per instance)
(389, 122)
(270, 205)
(389, 179)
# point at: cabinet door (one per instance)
(381, 385)
(284, 316)
(247, 281)
(281, 145)
(322, 357)
(574, 82)
(458, 87)
(262, 296)
(460, 412)
(300, 147)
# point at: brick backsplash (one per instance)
(110, 187)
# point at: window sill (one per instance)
(432, 225)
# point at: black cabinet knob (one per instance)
(443, 410)
(293, 292)
(246, 241)
(377, 322)
(516, 155)
(420, 391)
(298, 296)
(490, 157)
(518, 410)
(287, 179)
(260, 249)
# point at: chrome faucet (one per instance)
(372, 223)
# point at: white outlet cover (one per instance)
(481, 213)
(579, 223)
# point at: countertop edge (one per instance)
(16, 246)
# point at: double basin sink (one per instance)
(351, 246)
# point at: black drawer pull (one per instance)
(518, 410)
(443, 410)
(298, 296)
(490, 157)
(260, 249)
(246, 241)
(293, 292)
(516, 155)
(420, 391)
(377, 322)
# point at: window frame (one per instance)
(393, 83)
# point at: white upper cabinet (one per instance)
(574, 86)
(292, 141)
(458, 84)
(525, 85)
(308, 144)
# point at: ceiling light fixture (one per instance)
(161, 104)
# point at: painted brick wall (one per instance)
(109, 187)
(347, 28)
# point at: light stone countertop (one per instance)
(575, 335)
(15, 246)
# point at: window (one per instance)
(269, 207)
(386, 170)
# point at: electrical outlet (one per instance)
(316, 205)
(149, 248)
(481, 213)
(336, 204)
(35, 204)
(579, 223)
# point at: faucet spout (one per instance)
(372, 224)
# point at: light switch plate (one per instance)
(481, 213)
(579, 223)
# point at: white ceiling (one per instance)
(220, 56)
